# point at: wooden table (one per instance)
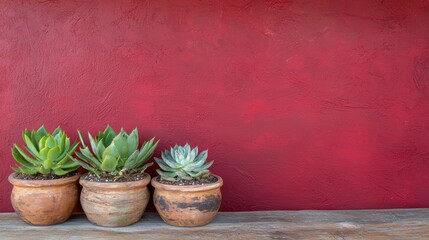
(352, 224)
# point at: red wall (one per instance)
(303, 104)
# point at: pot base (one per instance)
(187, 206)
(114, 204)
(44, 202)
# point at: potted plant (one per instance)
(45, 184)
(115, 190)
(186, 193)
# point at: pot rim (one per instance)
(189, 188)
(115, 185)
(42, 183)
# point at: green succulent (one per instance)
(50, 153)
(182, 163)
(115, 154)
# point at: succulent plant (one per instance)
(115, 154)
(182, 163)
(50, 153)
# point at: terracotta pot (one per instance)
(114, 204)
(187, 206)
(44, 202)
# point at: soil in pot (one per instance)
(44, 202)
(39, 176)
(110, 178)
(193, 182)
(194, 203)
(112, 202)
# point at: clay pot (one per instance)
(187, 206)
(44, 202)
(114, 204)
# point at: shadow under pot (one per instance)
(44, 202)
(187, 206)
(114, 204)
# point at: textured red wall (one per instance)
(303, 104)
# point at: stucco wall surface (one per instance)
(302, 104)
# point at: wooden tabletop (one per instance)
(351, 224)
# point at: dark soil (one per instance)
(193, 182)
(111, 178)
(40, 176)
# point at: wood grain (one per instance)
(351, 224)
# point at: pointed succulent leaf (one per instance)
(146, 155)
(67, 144)
(163, 166)
(67, 151)
(20, 159)
(166, 155)
(197, 174)
(189, 167)
(109, 163)
(144, 167)
(111, 150)
(130, 163)
(93, 143)
(53, 153)
(167, 175)
(31, 148)
(63, 160)
(43, 170)
(108, 135)
(26, 157)
(183, 175)
(42, 142)
(57, 131)
(35, 138)
(44, 153)
(50, 142)
(62, 142)
(177, 157)
(60, 172)
(58, 138)
(82, 141)
(27, 133)
(42, 131)
(133, 141)
(70, 166)
(84, 165)
(201, 158)
(120, 141)
(47, 164)
(172, 164)
(207, 165)
(108, 130)
(29, 171)
(100, 149)
(145, 147)
(18, 170)
(187, 148)
(193, 154)
(85, 154)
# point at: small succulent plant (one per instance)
(50, 153)
(182, 163)
(115, 154)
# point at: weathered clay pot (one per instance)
(114, 204)
(187, 206)
(44, 202)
